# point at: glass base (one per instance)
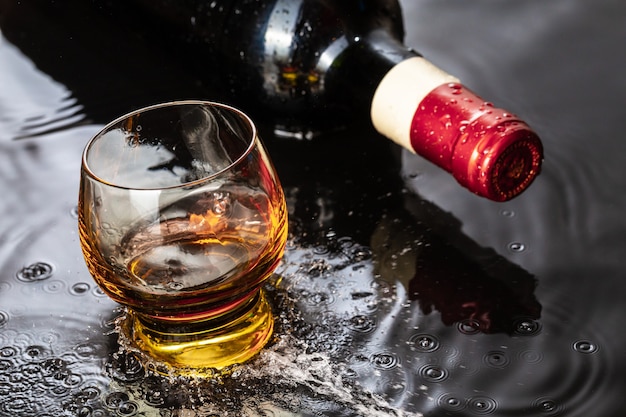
(211, 344)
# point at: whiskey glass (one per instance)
(182, 219)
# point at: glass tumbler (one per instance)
(182, 219)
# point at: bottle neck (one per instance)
(426, 110)
(359, 65)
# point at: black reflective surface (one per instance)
(400, 292)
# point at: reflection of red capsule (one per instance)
(488, 150)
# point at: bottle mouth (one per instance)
(501, 161)
(515, 169)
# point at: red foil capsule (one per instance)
(488, 150)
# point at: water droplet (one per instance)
(127, 409)
(86, 350)
(97, 291)
(4, 318)
(433, 373)
(508, 213)
(585, 346)
(451, 402)
(8, 352)
(126, 367)
(74, 212)
(469, 326)
(80, 288)
(384, 360)
(35, 352)
(37, 271)
(362, 323)
(527, 327)
(424, 342)
(115, 399)
(496, 359)
(517, 247)
(548, 406)
(482, 405)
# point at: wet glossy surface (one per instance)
(396, 282)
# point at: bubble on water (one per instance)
(115, 399)
(433, 373)
(424, 342)
(4, 318)
(74, 212)
(35, 352)
(89, 350)
(127, 409)
(585, 346)
(451, 402)
(496, 359)
(516, 247)
(482, 405)
(37, 271)
(80, 288)
(316, 298)
(385, 360)
(126, 367)
(507, 213)
(97, 291)
(527, 327)
(469, 326)
(362, 323)
(548, 407)
(8, 352)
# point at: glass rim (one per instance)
(252, 143)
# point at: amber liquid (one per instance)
(192, 281)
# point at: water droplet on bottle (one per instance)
(37, 271)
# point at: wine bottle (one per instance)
(309, 64)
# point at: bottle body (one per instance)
(314, 65)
